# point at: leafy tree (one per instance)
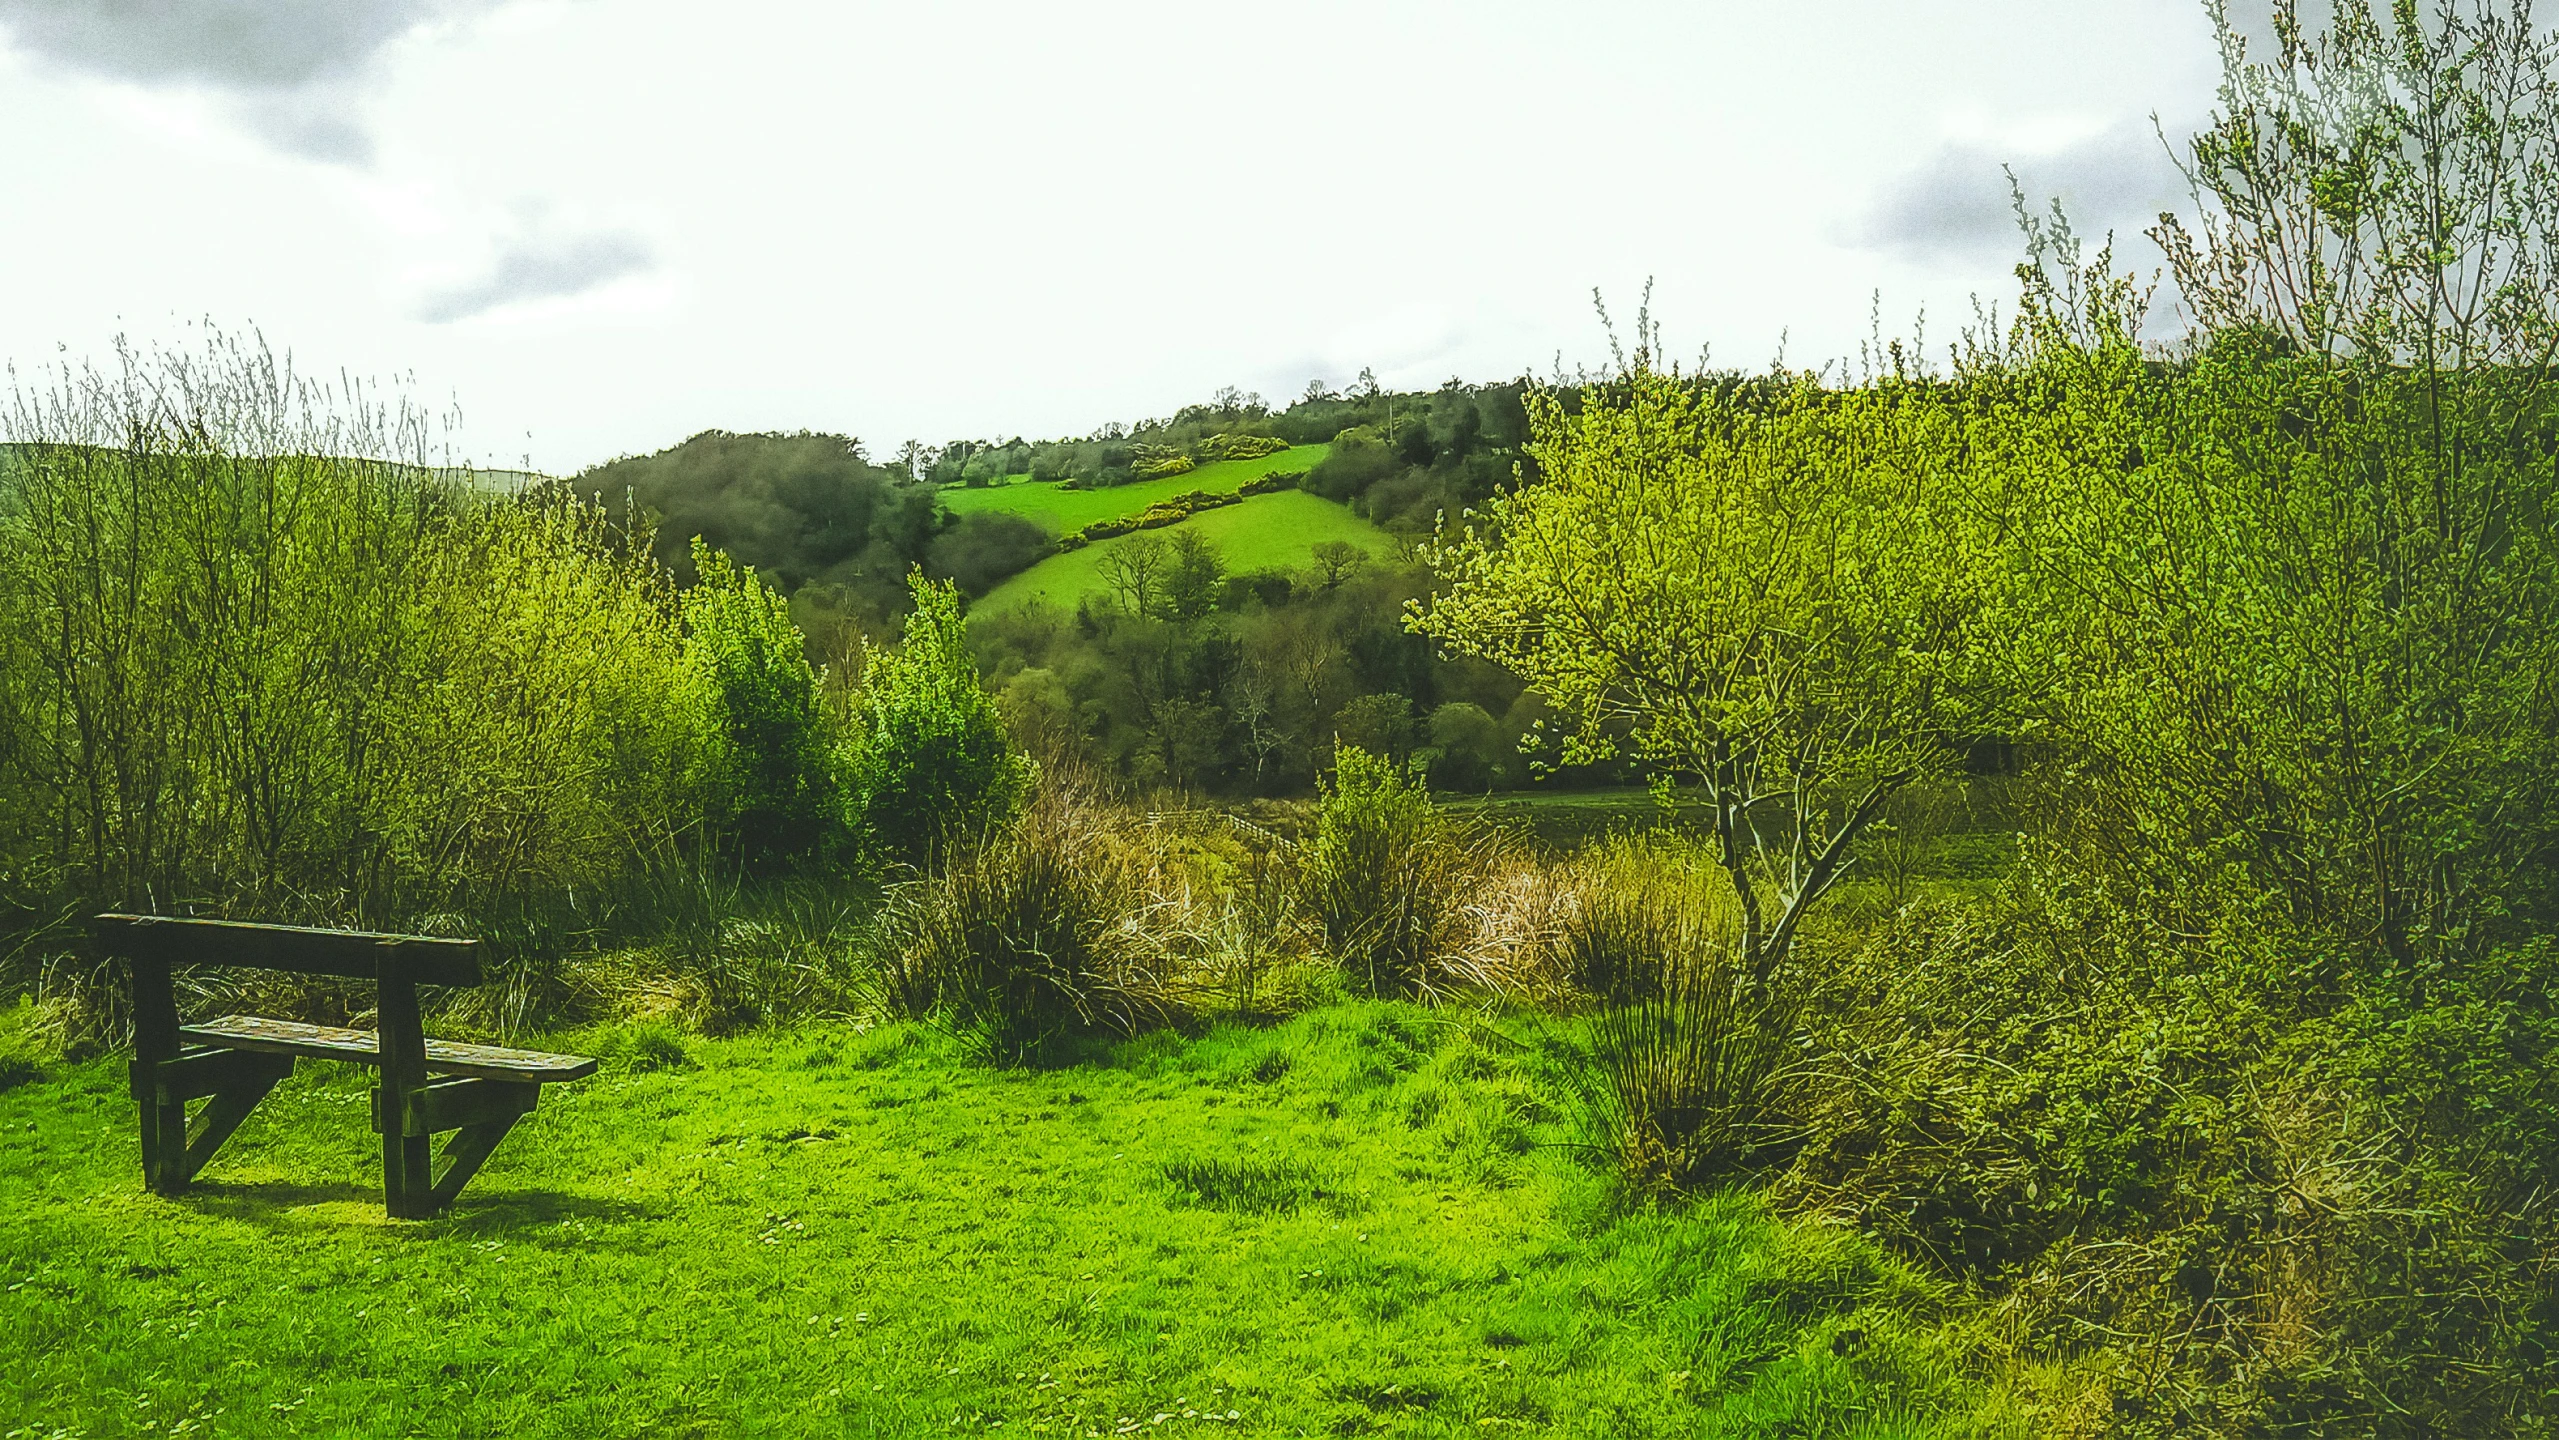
(1360, 458)
(1336, 559)
(1465, 750)
(1780, 599)
(1136, 569)
(796, 507)
(984, 549)
(929, 758)
(2322, 544)
(1378, 725)
(241, 666)
(1189, 735)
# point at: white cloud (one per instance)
(1958, 204)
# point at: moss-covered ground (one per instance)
(1359, 1221)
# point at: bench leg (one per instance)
(222, 1115)
(405, 1161)
(164, 1145)
(478, 1112)
(231, 1081)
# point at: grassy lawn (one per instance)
(1059, 510)
(1350, 1223)
(1265, 532)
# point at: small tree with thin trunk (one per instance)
(1136, 569)
(1766, 586)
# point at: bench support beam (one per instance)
(478, 1112)
(231, 1082)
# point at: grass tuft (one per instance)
(1252, 1187)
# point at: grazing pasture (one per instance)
(1265, 532)
(1058, 510)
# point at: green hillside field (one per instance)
(1266, 532)
(1058, 510)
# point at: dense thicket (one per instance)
(1186, 678)
(2240, 1093)
(238, 663)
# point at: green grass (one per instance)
(1351, 1223)
(1058, 510)
(1265, 532)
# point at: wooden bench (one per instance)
(232, 1063)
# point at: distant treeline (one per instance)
(1400, 457)
(1185, 676)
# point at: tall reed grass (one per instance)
(1037, 934)
(1683, 1065)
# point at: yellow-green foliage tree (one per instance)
(2288, 603)
(1769, 588)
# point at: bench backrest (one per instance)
(347, 954)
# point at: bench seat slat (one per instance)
(331, 1042)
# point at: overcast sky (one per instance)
(603, 225)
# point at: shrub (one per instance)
(766, 760)
(1683, 1066)
(2292, 1223)
(1155, 462)
(984, 550)
(930, 759)
(1640, 908)
(257, 656)
(1240, 447)
(1684, 1082)
(1359, 458)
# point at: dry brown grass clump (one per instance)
(1085, 917)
